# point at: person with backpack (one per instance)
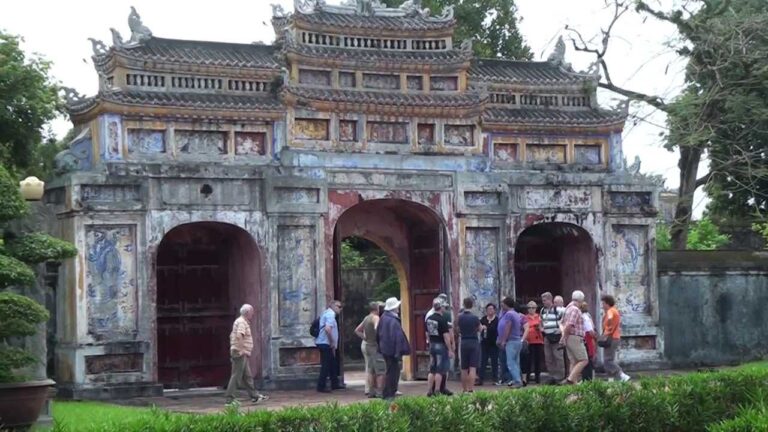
(554, 354)
(393, 345)
(327, 341)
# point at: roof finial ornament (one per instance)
(117, 39)
(98, 46)
(71, 96)
(447, 13)
(466, 45)
(558, 54)
(139, 32)
(278, 11)
(308, 6)
(365, 7)
(412, 7)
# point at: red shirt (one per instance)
(534, 330)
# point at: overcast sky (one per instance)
(638, 57)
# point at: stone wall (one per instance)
(712, 306)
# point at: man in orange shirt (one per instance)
(612, 331)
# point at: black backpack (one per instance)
(314, 329)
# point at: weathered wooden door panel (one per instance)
(425, 284)
(193, 313)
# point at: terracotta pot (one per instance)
(21, 403)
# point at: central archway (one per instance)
(413, 237)
(205, 271)
(557, 257)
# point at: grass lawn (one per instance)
(72, 416)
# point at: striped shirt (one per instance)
(550, 319)
(240, 339)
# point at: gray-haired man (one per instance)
(554, 354)
(240, 348)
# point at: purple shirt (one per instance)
(517, 321)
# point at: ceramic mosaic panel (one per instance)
(146, 141)
(459, 135)
(347, 130)
(505, 152)
(381, 82)
(315, 77)
(296, 275)
(311, 129)
(200, 142)
(630, 200)
(556, 198)
(114, 363)
(630, 268)
(426, 132)
(545, 153)
(388, 133)
(109, 193)
(347, 80)
(297, 195)
(481, 281)
(482, 199)
(415, 82)
(111, 137)
(250, 143)
(587, 154)
(444, 83)
(110, 278)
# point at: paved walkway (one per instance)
(208, 401)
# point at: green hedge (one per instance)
(754, 419)
(683, 403)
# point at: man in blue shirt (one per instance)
(327, 342)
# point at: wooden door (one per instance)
(194, 316)
(426, 282)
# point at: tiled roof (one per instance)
(444, 100)
(201, 52)
(375, 22)
(181, 100)
(554, 117)
(376, 57)
(524, 72)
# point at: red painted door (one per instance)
(426, 282)
(194, 317)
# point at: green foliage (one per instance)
(12, 204)
(19, 316)
(702, 235)
(762, 229)
(29, 100)
(750, 420)
(36, 248)
(13, 358)
(389, 288)
(14, 272)
(681, 404)
(491, 24)
(350, 257)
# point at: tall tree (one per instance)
(29, 100)
(724, 42)
(491, 24)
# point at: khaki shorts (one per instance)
(576, 349)
(374, 361)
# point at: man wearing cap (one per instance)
(393, 345)
(442, 299)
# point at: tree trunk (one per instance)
(690, 157)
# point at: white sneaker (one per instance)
(624, 377)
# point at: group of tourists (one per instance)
(513, 342)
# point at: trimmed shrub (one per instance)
(35, 248)
(680, 404)
(750, 420)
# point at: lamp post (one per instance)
(32, 188)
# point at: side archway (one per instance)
(204, 272)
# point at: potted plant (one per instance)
(21, 398)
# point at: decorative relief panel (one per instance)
(587, 154)
(200, 142)
(297, 195)
(482, 266)
(381, 82)
(415, 82)
(109, 193)
(112, 131)
(315, 77)
(311, 129)
(545, 153)
(439, 83)
(630, 200)
(299, 356)
(146, 141)
(459, 135)
(114, 363)
(628, 252)
(426, 132)
(553, 198)
(388, 133)
(296, 275)
(482, 199)
(110, 278)
(505, 152)
(250, 143)
(347, 80)
(347, 130)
